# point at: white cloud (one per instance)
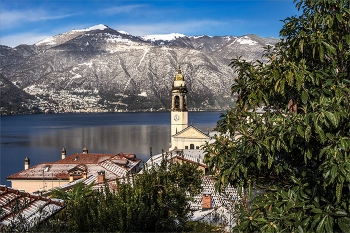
(22, 38)
(163, 28)
(13, 18)
(120, 9)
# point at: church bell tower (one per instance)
(179, 112)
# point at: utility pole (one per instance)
(43, 180)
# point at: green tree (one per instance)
(72, 197)
(157, 200)
(297, 152)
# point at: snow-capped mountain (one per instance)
(205, 43)
(163, 37)
(127, 68)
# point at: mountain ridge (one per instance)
(121, 66)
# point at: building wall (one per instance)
(181, 143)
(182, 123)
(36, 185)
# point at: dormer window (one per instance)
(47, 168)
(76, 158)
(77, 173)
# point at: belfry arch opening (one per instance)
(177, 102)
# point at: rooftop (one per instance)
(89, 163)
(33, 208)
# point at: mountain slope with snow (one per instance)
(162, 37)
(130, 69)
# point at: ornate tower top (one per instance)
(179, 93)
(179, 76)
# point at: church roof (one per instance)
(191, 132)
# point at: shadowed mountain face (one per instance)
(11, 97)
(131, 69)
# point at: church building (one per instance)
(183, 136)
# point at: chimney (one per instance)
(71, 177)
(63, 153)
(100, 176)
(206, 201)
(26, 163)
(85, 150)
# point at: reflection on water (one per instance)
(106, 139)
(42, 138)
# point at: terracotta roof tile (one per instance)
(30, 211)
(54, 171)
(86, 158)
(91, 163)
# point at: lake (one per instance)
(41, 137)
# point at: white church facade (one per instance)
(183, 136)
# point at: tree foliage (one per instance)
(297, 151)
(153, 201)
(156, 200)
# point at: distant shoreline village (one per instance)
(63, 101)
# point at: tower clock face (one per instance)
(176, 117)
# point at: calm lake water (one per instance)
(42, 137)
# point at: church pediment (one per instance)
(191, 132)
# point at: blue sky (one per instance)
(27, 22)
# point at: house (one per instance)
(45, 176)
(32, 208)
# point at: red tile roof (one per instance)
(91, 163)
(30, 206)
(86, 158)
(59, 171)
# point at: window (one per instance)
(191, 146)
(197, 147)
(177, 102)
(186, 147)
(47, 168)
(77, 173)
(76, 158)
